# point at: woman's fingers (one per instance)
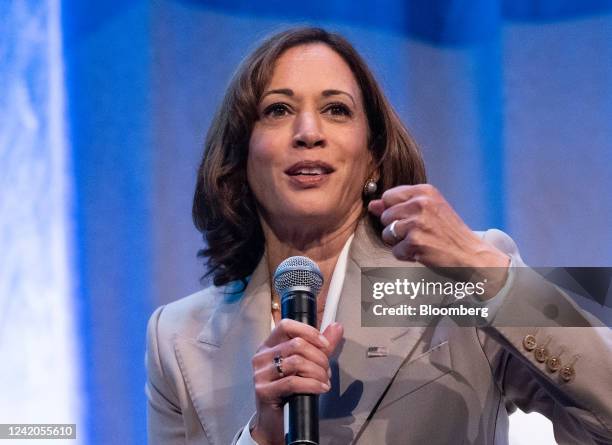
(298, 358)
(405, 211)
(295, 346)
(412, 208)
(292, 365)
(376, 206)
(406, 251)
(400, 194)
(287, 329)
(333, 333)
(272, 392)
(296, 365)
(298, 355)
(403, 193)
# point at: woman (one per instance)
(307, 157)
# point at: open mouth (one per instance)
(309, 168)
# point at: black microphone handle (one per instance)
(303, 411)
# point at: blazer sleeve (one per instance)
(164, 417)
(569, 380)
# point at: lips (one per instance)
(309, 168)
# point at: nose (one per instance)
(308, 132)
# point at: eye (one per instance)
(338, 109)
(276, 110)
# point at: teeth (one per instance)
(310, 171)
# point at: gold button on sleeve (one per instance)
(567, 373)
(529, 342)
(541, 354)
(553, 364)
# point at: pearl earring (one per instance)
(370, 187)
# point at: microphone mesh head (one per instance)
(298, 271)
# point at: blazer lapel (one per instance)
(217, 365)
(362, 381)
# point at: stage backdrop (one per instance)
(511, 102)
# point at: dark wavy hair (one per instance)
(224, 208)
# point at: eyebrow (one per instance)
(325, 93)
(328, 93)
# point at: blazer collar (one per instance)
(237, 308)
(216, 365)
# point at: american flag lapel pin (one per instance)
(377, 351)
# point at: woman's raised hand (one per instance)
(422, 226)
(294, 359)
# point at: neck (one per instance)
(321, 244)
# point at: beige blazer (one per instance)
(441, 384)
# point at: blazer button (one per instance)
(541, 354)
(553, 364)
(529, 342)
(567, 373)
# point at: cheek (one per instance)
(359, 157)
(258, 156)
(264, 147)
(261, 159)
(355, 141)
(256, 147)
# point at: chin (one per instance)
(307, 211)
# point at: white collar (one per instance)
(335, 287)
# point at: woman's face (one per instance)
(308, 157)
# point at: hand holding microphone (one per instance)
(292, 365)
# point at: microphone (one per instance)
(298, 280)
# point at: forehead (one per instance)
(311, 68)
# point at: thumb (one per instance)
(333, 333)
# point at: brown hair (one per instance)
(224, 208)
